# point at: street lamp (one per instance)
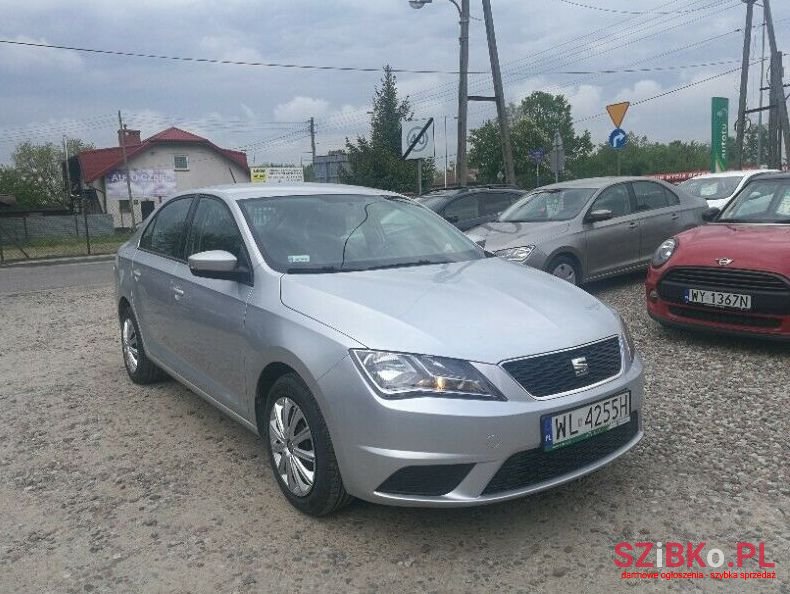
(463, 14)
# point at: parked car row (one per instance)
(382, 354)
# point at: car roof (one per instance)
(258, 190)
(743, 172)
(594, 183)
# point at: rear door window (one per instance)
(464, 208)
(650, 196)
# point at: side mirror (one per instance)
(594, 216)
(217, 264)
(711, 214)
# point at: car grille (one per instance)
(727, 279)
(723, 317)
(536, 466)
(554, 373)
(428, 481)
(770, 292)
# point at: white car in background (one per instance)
(719, 188)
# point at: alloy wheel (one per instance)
(292, 446)
(129, 344)
(565, 272)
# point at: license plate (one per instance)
(563, 429)
(718, 299)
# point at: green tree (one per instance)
(533, 124)
(37, 177)
(376, 162)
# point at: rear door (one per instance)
(210, 312)
(611, 245)
(160, 248)
(660, 216)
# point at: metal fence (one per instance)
(35, 235)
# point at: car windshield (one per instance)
(761, 201)
(337, 233)
(560, 204)
(711, 188)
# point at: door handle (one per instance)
(178, 293)
(136, 274)
(633, 225)
(675, 216)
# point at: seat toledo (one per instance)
(377, 351)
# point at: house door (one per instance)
(146, 208)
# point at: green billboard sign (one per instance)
(720, 129)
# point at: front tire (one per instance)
(139, 367)
(566, 268)
(300, 449)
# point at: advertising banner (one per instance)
(276, 175)
(146, 183)
(720, 111)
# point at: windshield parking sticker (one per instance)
(304, 259)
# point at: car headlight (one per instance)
(401, 375)
(664, 252)
(516, 254)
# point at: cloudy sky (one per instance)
(560, 46)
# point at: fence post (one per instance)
(87, 233)
(24, 226)
(76, 226)
(2, 258)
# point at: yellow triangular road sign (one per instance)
(617, 112)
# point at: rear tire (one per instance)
(139, 367)
(566, 268)
(300, 449)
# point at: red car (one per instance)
(733, 274)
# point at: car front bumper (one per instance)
(709, 319)
(437, 452)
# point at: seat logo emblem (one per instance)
(724, 261)
(580, 366)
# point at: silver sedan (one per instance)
(378, 351)
(588, 229)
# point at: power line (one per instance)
(637, 12)
(218, 61)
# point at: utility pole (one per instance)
(446, 158)
(760, 113)
(312, 138)
(122, 135)
(777, 88)
(747, 42)
(68, 173)
(460, 158)
(504, 129)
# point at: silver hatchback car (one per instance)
(377, 351)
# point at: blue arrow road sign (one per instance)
(536, 155)
(618, 139)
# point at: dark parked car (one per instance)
(468, 207)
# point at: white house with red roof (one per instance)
(168, 162)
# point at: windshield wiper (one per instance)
(401, 265)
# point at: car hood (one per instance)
(753, 246)
(499, 235)
(484, 310)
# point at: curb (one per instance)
(55, 261)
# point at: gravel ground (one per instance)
(109, 486)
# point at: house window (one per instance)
(180, 162)
(123, 206)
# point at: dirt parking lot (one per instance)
(112, 487)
